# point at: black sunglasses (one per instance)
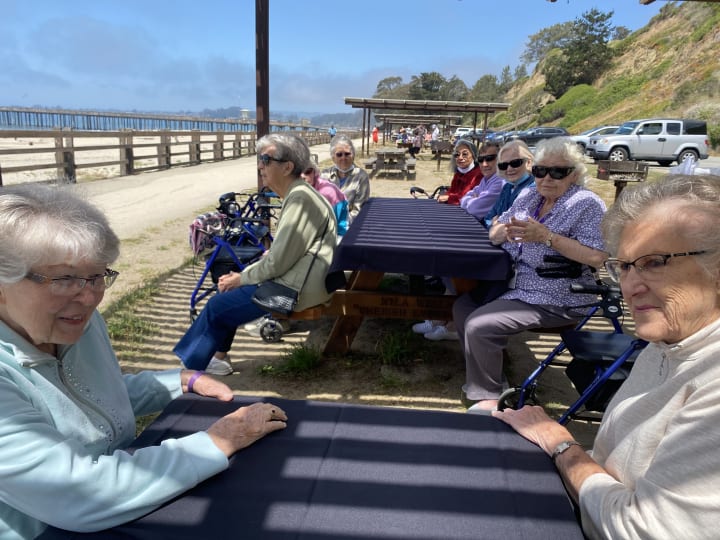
(267, 158)
(343, 154)
(556, 173)
(514, 163)
(489, 158)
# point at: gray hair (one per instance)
(287, 147)
(341, 139)
(44, 225)
(566, 149)
(699, 194)
(521, 147)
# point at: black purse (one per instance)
(278, 298)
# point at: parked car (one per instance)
(462, 131)
(653, 139)
(534, 135)
(583, 138)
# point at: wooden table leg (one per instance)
(346, 326)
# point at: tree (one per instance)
(584, 56)
(506, 80)
(486, 90)
(547, 39)
(520, 72)
(387, 86)
(454, 90)
(427, 86)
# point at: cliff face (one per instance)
(674, 60)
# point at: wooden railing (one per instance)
(61, 154)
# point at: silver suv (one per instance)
(657, 139)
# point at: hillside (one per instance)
(671, 67)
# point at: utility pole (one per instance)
(262, 68)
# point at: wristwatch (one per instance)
(560, 448)
(548, 242)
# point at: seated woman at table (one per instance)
(558, 217)
(332, 193)
(299, 257)
(67, 410)
(352, 180)
(515, 161)
(654, 470)
(480, 199)
(467, 173)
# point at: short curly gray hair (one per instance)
(699, 195)
(567, 150)
(42, 224)
(289, 148)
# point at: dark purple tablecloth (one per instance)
(421, 237)
(360, 473)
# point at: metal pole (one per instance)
(262, 68)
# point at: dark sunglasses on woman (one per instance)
(556, 173)
(514, 163)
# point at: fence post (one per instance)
(127, 158)
(194, 148)
(65, 156)
(164, 154)
(218, 146)
(237, 146)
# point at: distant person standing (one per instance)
(416, 143)
(375, 135)
(435, 132)
(332, 131)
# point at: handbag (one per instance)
(275, 297)
(278, 298)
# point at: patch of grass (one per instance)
(123, 321)
(395, 348)
(299, 361)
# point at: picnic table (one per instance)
(414, 237)
(358, 472)
(390, 162)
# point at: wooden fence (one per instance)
(61, 154)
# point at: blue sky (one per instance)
(181, 55)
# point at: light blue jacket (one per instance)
(63, 425)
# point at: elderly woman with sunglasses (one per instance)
(351, 179)
(299, 258)
(66, 410)
(558, 217)
(654, 470)
(514, 165)
(480, 199)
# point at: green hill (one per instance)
(671, 67)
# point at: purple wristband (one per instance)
(195, 376)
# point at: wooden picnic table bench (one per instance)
(440, 148)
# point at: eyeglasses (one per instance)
(265, 159)
(71, 285)
(556, 173)
(462, 154)
(487, 159)
(650, 266)
(514, 163)
(343, 154)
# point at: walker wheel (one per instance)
(510, 398)
(193, 315)
(271, 331)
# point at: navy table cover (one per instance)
(355, 472)
(420, 237)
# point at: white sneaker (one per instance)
(423, 327)
(219, 367)
(440, 333)
(254, 328)
(254, 325)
